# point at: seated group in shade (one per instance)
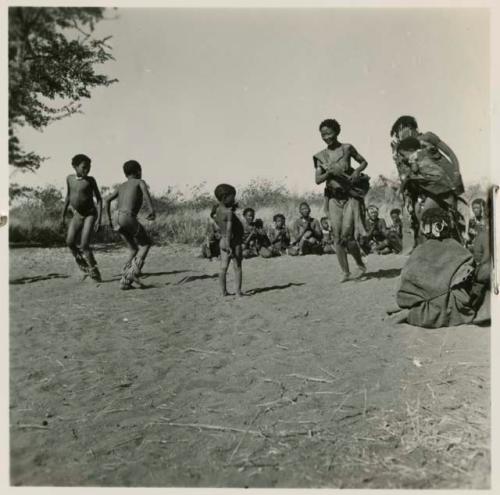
(307, 235)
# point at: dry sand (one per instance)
(301, 384)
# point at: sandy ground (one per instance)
(301, 384)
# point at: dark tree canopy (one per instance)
(52, 60)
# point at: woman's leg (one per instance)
(336, 215)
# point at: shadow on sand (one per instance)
(193, 278)
(390, 273)
(37, 278)
(259, 290)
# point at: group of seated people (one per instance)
(307, 235)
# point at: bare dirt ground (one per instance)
(301, 384)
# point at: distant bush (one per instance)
(36, 212)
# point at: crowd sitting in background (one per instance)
(379, 238)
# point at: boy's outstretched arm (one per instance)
(98, 198)
(149, 202)
(66, 205)
(107, 204)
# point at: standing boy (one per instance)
(130, 196)
(231, 231)
(81, 189)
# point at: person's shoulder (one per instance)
(430, 137)
(70, 177)
(320, 156)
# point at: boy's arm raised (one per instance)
(107, 204)
(66, 204)
(98, 198)
(149, 202)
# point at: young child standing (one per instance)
(231, 230)
(130, 196)
(81, 189)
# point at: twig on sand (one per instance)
(337, 409)
(233, 453)
(35, 427)
(328, 373)
(200, 426)
(310, 378)
(194, 349)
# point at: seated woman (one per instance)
(279, 235)
(479, 220)
(210, 247)
(328, 243)
(375, 240)
(437, 282)
(306, 234)
(262, 242)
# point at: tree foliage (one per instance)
(52, 59)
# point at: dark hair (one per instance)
(404, 121)
(213, 210)
(324, 218)
(409, 144)
(131, 167)
(479, 201)
(331, 124)
(304, 203)
(278, 215)
(434, 215)
(222, 191)
(396, 210)
(246, 210)
(258, 223)
(77, 159)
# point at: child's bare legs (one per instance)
(88, 226)
(74, 229)
(224, 264)
(238, 269)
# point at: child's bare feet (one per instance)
(345, 277)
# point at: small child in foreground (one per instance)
(231, 230)
(81, 189)
(130, 196)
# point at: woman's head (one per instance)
(329, 130)
(435, 223)
(404, 122)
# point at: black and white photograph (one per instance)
(249, 247)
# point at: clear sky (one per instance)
(229, 95)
